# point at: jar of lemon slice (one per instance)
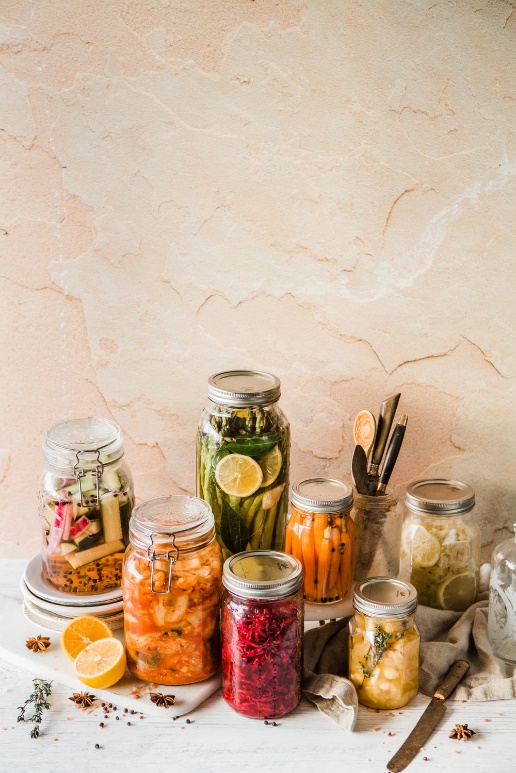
(243, 445)
(440, 551)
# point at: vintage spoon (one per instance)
(364, 431)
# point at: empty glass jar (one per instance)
(502, 601)
(378, 521)
(85, 502)
(243, 447)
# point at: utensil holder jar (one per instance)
(378, 522)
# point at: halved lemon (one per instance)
(101, 664)
(270, 465)
(238, 475)
(83, 631)
(457, 592)
(425, 548)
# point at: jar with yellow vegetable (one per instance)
(243, 447)
(320, 534)
(384, 643)
(440, 552)
(171, 588)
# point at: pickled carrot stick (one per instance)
(323, 565)
(320, 524)
(335, 555)
(296, 538)
(346, 559)
(288, 538)
(308, 551)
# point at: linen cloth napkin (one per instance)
(445, 637)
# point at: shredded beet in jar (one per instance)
(262, 655)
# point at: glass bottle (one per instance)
(262, 633)
(378, 521)
(502, 601)
(441, 544)
(171, 589)
(384, 643)
(320, 534)
(85, 502)
(243, 450)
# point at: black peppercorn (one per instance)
(101, 724)
(128, 723)
(188, 721)
(97, 746)
(265, 722)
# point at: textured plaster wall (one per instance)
(322, 189)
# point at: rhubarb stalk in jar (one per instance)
(171, 589)
(262, 630)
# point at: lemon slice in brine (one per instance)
(270, 465)
(425, 548)
(238, 475)
(457, 592)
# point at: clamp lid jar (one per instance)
(171, 589)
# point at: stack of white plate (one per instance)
(53, 609)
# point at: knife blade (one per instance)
(430, 718)
(391, 455)
(383, 427)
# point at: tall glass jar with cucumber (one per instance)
(440, 545)
(243, 454)
(85, 503)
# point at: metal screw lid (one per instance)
(322, 495)
(439, 496)
(186, 521)
(89, 440)
(384, 597)
(244, 387)
(262, 574)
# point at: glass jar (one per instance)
(85, 504)
(262, 633)
(320, 534)
(378, 521)
(441, 544)
(171, 588)
(501, 623)
(384, 643)
(243, 448)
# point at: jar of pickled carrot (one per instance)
(262, 633)
(85, 501)
(320, 534)
(171, 588)
(384, 643)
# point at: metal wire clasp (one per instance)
(170, 555)
(96, 472)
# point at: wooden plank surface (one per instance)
(218, 739)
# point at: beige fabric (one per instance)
(445, 637)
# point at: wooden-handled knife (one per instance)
(430, 718)
(383, 427)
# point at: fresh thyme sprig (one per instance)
(38, 697)
(381, 642)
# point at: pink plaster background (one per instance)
(325, 190)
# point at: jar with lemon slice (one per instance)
(440, 552)
(243, 451)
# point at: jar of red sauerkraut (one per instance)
(171, 587)
(262, 633)
(86, 498)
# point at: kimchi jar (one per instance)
(384, 643)
(262, 633)
(85, 503)
(320, 533)
(171, 588)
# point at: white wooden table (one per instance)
(218, 739)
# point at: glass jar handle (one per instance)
(167, 556)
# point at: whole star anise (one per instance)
(162, 700)
(461, 732)
(37, 643)
(84, 699)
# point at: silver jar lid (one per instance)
(440, 497)
(86, 442)
(262, 574)
(185, 522)
(322, 495)
(244, 387)
(384, 597)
